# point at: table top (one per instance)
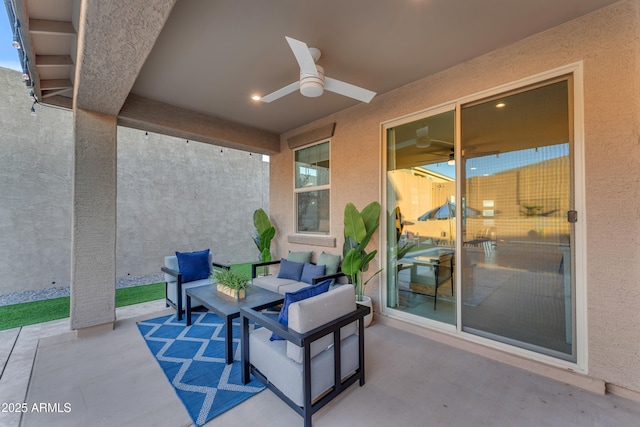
(226, 305)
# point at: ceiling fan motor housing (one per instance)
(310, 85)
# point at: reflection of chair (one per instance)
(432, 272)
(303, 369)
(413, 237)
(485, 238)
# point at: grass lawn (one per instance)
(29, 313)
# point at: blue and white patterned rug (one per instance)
(192, 358)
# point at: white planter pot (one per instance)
(369, 303)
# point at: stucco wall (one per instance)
(607, 43)
(172, 196)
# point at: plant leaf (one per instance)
(265, 255)
(351, 263)
(353, 224)
(261, 220)
(371, 215)
(265, 238)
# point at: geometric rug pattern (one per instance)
(192, 358)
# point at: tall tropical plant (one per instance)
(264, 233)
(359, 227)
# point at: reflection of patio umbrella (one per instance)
(446, 211)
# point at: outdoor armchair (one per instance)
(321, 355)
(176, 286)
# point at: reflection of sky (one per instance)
(443, 169)
(495, 163)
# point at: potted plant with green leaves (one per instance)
(264, 233)
(231, 283)
(359, 227)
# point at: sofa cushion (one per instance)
(311, 271)
(290, 270)
(332, 262)
(314, 312)
(299, 257)
(275, 284)
(194, 265)
(299, 295)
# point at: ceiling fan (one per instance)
(422, 140)
(312, 81)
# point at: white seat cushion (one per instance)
(270, 358)
(273, 283)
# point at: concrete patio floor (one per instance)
(112, 379)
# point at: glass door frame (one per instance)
(579, 275)
(415, 319)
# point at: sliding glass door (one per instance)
(516, 247)
(485, 246)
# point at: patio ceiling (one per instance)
(188, 67)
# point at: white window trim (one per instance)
(297, 191)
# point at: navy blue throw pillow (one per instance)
(299, 295)
(310, 272)
(194, 265)
(290, 270)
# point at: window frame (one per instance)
(297, 191)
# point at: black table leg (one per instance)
(188, 310)
(228, 336)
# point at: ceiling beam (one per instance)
(55, 84)
(46, 27)
(158, 117)
(114, 39)
(53, 61)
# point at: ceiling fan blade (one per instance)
(348, 89)
(442, 141)
(303, 56)
(281, 92)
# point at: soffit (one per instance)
(210, 56)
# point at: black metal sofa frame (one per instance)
(304, 341)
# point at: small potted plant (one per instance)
(230, 283)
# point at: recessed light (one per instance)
(256, 97)
(500, 105)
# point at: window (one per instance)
(312, 188)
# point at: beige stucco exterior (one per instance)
(606, 44)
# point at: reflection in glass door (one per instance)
(421, 228)
(516, 262)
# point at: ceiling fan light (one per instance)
(310, 85)
(423, 142)
(311, 88)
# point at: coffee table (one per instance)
(229, 308)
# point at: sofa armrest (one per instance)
(270, 324)
(255, 266)
(221, 265)
(173, 273)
